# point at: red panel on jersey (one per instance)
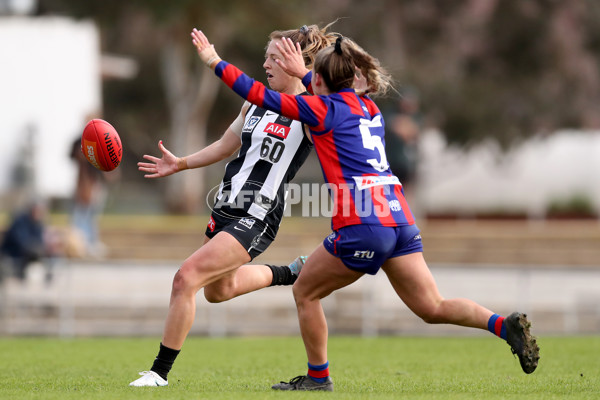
(404, 204)
(230, 75)
(313, 107)
(381, 206)
(345, 208)
(352, 100)
(371, 106)
(289, 106)
(257, 91)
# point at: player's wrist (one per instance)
(213, 60)
(182, 163)
(301, 73)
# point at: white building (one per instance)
(50, 82)
(525, 179)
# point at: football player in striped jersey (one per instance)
(248, 206)
(373, 227)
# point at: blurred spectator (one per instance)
(88, 201)
(27, 240)
(402, 132)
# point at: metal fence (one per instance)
(124, 298)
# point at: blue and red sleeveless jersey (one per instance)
(348, 134)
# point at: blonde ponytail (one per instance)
(312, 39)
(337, 65)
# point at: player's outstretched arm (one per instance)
(170, 164)
(159, 167)
(311, 111)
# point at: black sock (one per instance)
(164, 361)
(282, 276)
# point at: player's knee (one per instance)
(186, 280)
(179, 282)
(432, 314)
(217, 295)
(431, 318)
(297, 294)
(301, 297)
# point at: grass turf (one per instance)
(244, 368)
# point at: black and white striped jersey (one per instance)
(273, 148)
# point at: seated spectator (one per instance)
(26, 240)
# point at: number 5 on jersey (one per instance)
(373, 142)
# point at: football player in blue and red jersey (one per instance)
(373, 227)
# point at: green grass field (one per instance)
(244, 368)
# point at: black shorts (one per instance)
(252, 233)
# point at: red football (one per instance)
(101, 145)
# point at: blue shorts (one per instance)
(364, 248)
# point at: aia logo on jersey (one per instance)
(211, 224)
(277, 130)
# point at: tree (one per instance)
(190, 90)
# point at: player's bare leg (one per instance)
(219, 257)
(322, 274)
(245, 279)
(415, 285)
(251, 277)
(413, 282)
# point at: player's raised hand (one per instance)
(159, 167)
(292, 62)
(206, 51)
